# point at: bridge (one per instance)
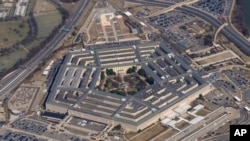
(218, 31)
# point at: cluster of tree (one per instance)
(142, 72)
(102, 75)
(65, 15)
(33, 33)
(209, 68)
(118, 92)
(245, 32)
(131, 70)
(31, 36)
(117, 127)
(208, 40)
(201, 97)
(110, 72)
(183, 27)
(149, 79)
(33, 30)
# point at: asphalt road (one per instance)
(17, 77)
(223, 137)
(13, 80)
(228, 31)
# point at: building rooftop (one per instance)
(75, 85)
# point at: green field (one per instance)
(7, 61)
(45, 22)
(12, 31)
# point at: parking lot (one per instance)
(30, 126)
(215, 7)
(189, 32)
(15, 136)
(238, 80)
(167, 20)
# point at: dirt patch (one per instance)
(118, 3)
(170, 132)
(202, 112)
(182, 125)
(150, 133)
(216, 58)
(188, 117)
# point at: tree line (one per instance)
(32, 34)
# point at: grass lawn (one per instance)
(7, 61)
(45, 22)
(12, 31)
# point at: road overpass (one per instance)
(172, 7)
(228, 32)
(218, 31)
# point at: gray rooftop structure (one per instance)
(74, 88)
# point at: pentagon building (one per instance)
(75, 92)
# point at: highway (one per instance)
(13, 80)
(223, 137)
(228, 31)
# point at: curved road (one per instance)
(12, 81)
(228, 32)
(17, 77)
